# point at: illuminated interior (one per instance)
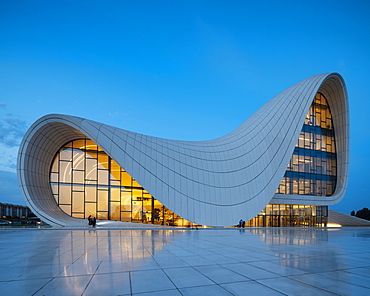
(280, 215)
(86, 181)
(312, 169)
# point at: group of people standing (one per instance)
(92, 221)
(241, 223)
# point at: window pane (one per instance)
(103, 161)
(90, 145)
(102, 200)
(115, 171)
(55, 188)
(102, 177)
(66, 154)
(115, 194)
(137, 194)
(79, 177)
(65, 172)
(91, 169)
(90, 209)
(79, 144)
(115, 211)
(90, 193)
(65, 192)
(126, 200)
(54, 167)
(126, 216)
(54, 177)
(137, 210)
(78, 159)
(125, 179)
(78, 202)
(102, 215)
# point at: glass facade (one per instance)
(280, 215)
(86, 181)
(312, 170)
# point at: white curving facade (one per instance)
(211, 182)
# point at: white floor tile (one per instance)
(150, 281)
(187, 277)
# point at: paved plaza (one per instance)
(268, 261)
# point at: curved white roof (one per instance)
(213, 182)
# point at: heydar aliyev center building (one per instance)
(282, 167)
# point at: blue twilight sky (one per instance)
(189, 70)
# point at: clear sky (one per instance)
(189, 70)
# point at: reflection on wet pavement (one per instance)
(263, 261)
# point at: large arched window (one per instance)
(86, 181)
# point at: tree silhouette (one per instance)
(363, 214)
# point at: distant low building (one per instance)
(14, 211)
